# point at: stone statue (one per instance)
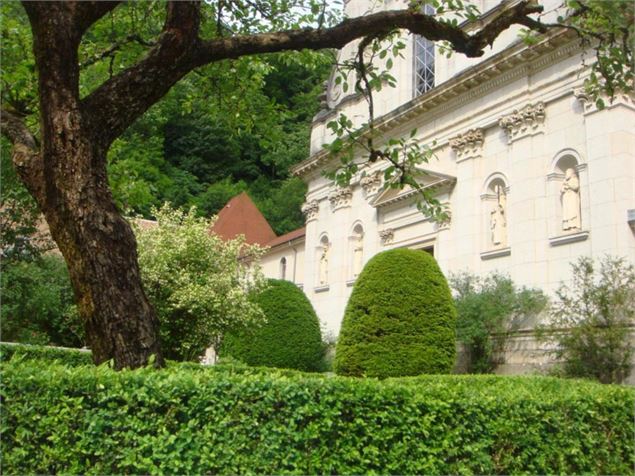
(498, 218)
(358, 254)
(324, 264)
(570, 197)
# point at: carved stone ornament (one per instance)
(468, 145)
(589, 106)
(311, 209)
(340, 197)
(371, 183)
(520, 123)
(387, 236)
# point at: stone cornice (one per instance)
(513, 62)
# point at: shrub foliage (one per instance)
(188, 419)
(290, 338)
(66, 356)
(488, 311)
(592, 320)
(400, 319)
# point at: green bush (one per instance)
(489, 310)
(400, 319)
(71, 357)
(291, 336)
(188, 419)
(592, 320)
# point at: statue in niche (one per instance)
(324, 264)
(358, 254)
(570, 197)
(498, 218)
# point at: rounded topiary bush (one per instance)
(290, 338)
(400, 319)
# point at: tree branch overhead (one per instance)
(121, 100)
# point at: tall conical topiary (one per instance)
(400, 319)
(290, 338)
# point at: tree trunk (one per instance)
(100, 249)
(69, 182)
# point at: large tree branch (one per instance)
(369, 25)
(118, 102)
(121, 100)
(81, 14)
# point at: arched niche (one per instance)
(323, 255)
(356, 250)
(283, 268)
(495, 216)
(567, 198)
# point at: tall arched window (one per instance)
(423, 65)
(283, 268)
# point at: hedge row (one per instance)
(192, 420)
(64, 355)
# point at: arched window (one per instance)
(423, 64)
(283, 268)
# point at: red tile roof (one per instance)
(292, 235)
(241, 217)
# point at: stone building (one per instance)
(532, 173)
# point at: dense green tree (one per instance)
(289, 338)
(37, 303)
(400, 319)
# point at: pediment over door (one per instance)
(427, 179)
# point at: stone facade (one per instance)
(534, 176)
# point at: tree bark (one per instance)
(68, 179)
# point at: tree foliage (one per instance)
(400, 319)
(489, 310)
(592, 320)
(291, 336)
(38, 304)
(198, 283)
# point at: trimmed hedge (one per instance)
(64, 355)
(291, 336)
(189, 419)
(400, 319)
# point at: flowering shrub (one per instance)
(198, 282)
